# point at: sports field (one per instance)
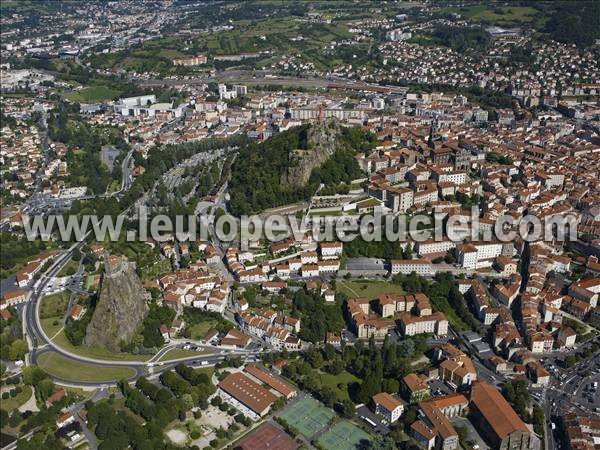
(344, 436)
(308, 416)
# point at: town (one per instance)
(474, 117)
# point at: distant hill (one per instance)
(289, 166)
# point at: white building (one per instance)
(388, 406)
(407, 266)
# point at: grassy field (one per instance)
(584, 331)
(505, 15)
(54, 306)
(156, 270)
(199, 330)
(51, 325)
(89, 282)
(93, 94)
(15, 402)
(69, 370)
(177, 353)
(339, 382)
(96, 352)
(369, 289)
(69, 269)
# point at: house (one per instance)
(456, 369)
(176, 327)
(434, 422)
(414, 388)
(210, 337)
(586, 290)
(65, 419)
(566, 337)
(164, 332)
(331, 249)
(57, 396)
(333, 339)
(423, 434)
(538, 375)
(329, 295)
(255, 275)
(309, 270)
(242, 304)
(13, 298)
(273, 286)
(390, 407)
(77, 312)
(235, 338)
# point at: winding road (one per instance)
(40, 343)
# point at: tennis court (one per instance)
(344, 436)
(308, 416)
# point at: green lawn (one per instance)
(69, 269)
(89, 282)
(93, 94)
(156, 270)
(51, 325)
(66, 369)
(584, 331)
(15, 402)
(369, 289)
(199, 330)
(96, 352)
(339, 382)
(505, 15)
(54, 306)
(177, 353)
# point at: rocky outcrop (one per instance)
(121, 307)
(321, 143)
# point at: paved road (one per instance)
(40, 343)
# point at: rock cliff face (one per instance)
(121, 307)
(322, 143)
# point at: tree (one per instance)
(391, 385)
(369, 387)
(346, 408)
(517, 394)
(17, 350)
(314, 357)
(328, 396)
(336, 366)
(538, 419)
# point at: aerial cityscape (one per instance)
(299, 224)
